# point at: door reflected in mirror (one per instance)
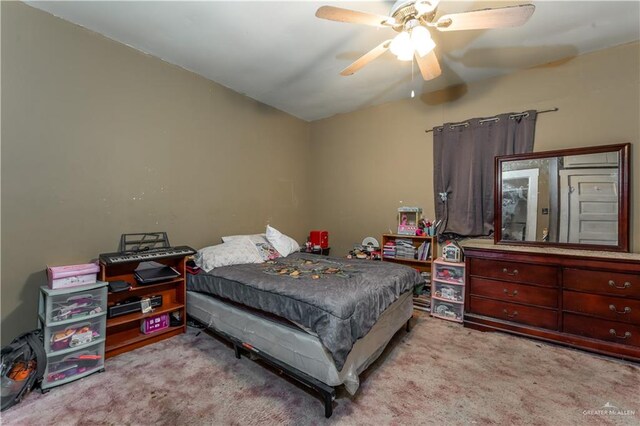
(563, 197)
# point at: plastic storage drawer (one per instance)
(70, 305)
(448, 272)
(68, 337)
(448, 292)
(447, 310)
(71, 366)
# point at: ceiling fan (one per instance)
(412, 20)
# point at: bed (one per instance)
(322, 320)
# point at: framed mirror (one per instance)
(574, 198)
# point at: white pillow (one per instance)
(285, 245)
(264, 247)
(235, 252)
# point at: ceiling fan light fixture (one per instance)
(421, 40)
(402, 46)
(406, 56)
(426, 6)
(413, 20)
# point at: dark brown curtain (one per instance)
(464, 169)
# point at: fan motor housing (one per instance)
(404, 11)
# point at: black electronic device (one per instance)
(155, 275)
(118, 286)
(132, 305)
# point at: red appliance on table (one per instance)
(319, 239)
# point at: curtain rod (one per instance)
(466, 123)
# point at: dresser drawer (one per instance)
(537, 317)
(511, 292)
(606, 307)
(603, 282)
(514, 271)
(611, 331)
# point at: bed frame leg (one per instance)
(328, 404)
(236, 348)
(408, 328)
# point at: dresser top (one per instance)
(488, 244)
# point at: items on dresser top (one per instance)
(72, 275)
(589, 300)
(74, 324)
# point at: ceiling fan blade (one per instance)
(366, 58)
(429, 66)
(510, 16)
(353, 16)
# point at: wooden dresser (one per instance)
(587, 300)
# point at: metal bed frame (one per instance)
(327, 393)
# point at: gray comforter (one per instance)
(338, 299)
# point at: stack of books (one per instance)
(422, 298)
(389, 249)
(423, 250)
(405, 249)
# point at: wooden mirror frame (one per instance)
(623, 196)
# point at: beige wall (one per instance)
(99, 139)
(379, 158)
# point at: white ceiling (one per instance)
(279, 53)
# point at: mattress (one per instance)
(297, 347)
(338, 299)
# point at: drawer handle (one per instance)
(515, 293)
(612, 283)
(513, 315)
(627, 310)
(506, 271)
(627, 334)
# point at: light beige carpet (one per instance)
(439, 373)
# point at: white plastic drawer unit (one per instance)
(448, 272)
(68, 337)
(447, 310)
(69, 305)
(75, 365)
(74, 321)
(448, 292)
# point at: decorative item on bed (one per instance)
(322, 320)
